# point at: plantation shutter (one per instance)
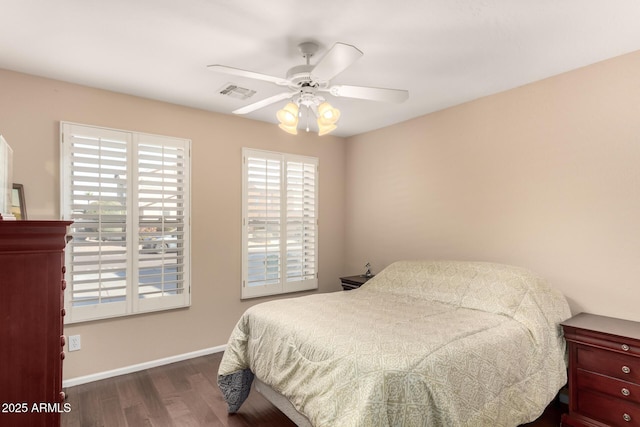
(263, 201)
(162, 218)
(128, 195)
(301, 222)
(279, 223)
(97, 200)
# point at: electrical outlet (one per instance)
(74, 342)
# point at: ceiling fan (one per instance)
(306, 83)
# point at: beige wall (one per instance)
(30, 111)
(545, 176)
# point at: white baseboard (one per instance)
(141, 366)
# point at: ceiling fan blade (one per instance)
(248, 74)
(335, 61)
(369, 93)
(263, 103)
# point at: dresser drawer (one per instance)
(619, 344)
(608, 409)
(615, 388)
(605, 362)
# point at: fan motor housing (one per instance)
(300, 74)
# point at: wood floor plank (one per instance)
(127, 390)
(91, 410)
(174, 401)
(112, 413)
(201, 410)
(152, 401)
(72, 418)
(162, 382)
(136, 415)
(185, 394)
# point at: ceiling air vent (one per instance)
(236, 91)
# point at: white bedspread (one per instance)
(421, 344)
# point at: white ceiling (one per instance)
(445, 52)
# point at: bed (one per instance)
(423, 343)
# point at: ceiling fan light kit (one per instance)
(293, 130)
(325, 129)
(306, 81)
(288, 118)
(327, 114)
(327, 118)
(288, 115)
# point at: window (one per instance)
(128, 195)
(280, 223)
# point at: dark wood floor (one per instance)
(184, 394)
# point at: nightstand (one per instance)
(604, 371)
(353, 282)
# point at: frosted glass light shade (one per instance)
(327, 114)
(288, 116)
(324, 129)
(293, 130)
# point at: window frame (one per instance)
(283, 285)
(138, 262)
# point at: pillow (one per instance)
(495, 288)
(442, 281)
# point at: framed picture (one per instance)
(18, 205)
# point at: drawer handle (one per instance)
(625, 347)
(626, 369)
(626, 417)
(625, 391)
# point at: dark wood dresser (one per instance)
(31, 329)
(604, 371)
